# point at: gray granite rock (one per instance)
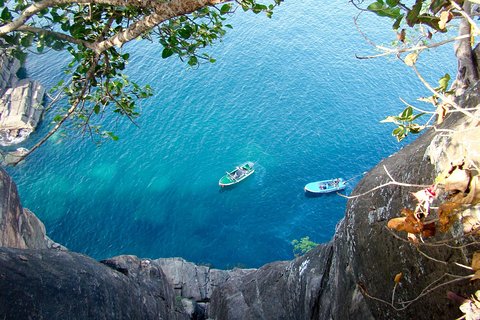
(20, 103)
(328, 282)
(52, 284)
(19, 227)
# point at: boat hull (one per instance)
(232, 177)
(325, 186)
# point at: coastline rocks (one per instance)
(19, 227)
(195, 284)
(329, 282)
(20, 103)
(51, 284)
(278, 290)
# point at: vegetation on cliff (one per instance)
(93, 32)
(443, 213)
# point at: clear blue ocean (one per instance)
(287, 93)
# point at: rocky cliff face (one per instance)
(52, 284)
(20, 103)
(19, 227)
(343, 279)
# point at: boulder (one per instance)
(19, 227)
(20, 103)
(195, 284)
(52, 284)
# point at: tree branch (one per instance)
(162, 11)
(70, 111)
(58, 35)
(392, 182)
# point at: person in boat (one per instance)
(240, 171)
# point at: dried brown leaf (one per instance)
(429, 230)
(476, 276)
(398, 277)
(441, 113)
(396, 223)
(412, 224)
(409, 223)
(446, 215)
(401, 35)
(412, 238)
(406, 212)
(476, 261)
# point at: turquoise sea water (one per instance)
(287, 93)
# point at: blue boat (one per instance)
(326, 186)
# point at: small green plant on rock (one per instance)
(302, 246)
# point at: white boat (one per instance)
(326, 186)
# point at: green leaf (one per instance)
(186, 32)
(225, 8)
(384, 11)
(415, 117)
(443, 82)
(96, 109)
(26, 41)
(167, 52)
(6, 15)
(193, 61)
(392, 3)
(412, 15)
(58, 118)
(20, 55)
(111, 135)
(407, 112)
(399, 133)
(437, 5)
(376, 6)
(398, 21)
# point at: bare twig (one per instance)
(427, 290)
(392, 182)
(442, 96)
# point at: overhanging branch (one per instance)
(162, 11)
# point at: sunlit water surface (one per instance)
(287, 93)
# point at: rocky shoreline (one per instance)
(326, 283)
(40, 279)
(21, 103)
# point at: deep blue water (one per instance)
(287, 93)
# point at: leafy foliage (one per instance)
(93, 34)
(405, 123)
(302, 246)
(435, 14)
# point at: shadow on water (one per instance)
(320, 195)
(228, 188)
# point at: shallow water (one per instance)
(287, 93)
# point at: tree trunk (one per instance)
(467, 72)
